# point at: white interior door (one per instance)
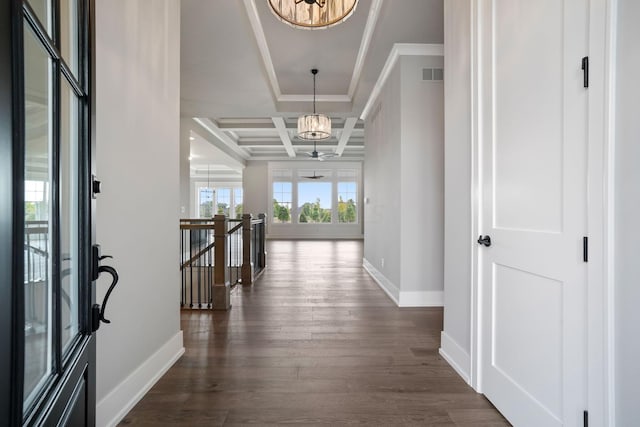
(533, 151)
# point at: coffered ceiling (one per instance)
(246, 75)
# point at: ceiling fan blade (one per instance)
(314, 176)
(327, 155)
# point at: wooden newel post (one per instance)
(247, 266)
(221, 285)
(262, 252)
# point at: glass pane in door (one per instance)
(68, 214)
(69, 33)
(37, 208)
(43, 11)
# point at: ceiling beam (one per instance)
(261, 127)
(225, 139)
(349, 124)
(258, 31)
(281, 126)
(374, 12)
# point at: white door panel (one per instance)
(533, 152)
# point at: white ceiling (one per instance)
(248, 74)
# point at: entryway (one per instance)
(314, 340)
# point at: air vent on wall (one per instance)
(436, 74)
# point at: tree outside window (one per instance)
(314, 202)
(223, 201)
(282, 196)
(237, 201)
(347, 207)
(206, 202)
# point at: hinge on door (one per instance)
(585, 71)
(585, 249)
(585, 419)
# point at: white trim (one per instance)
(455, 356)
(263, 47)
(398, 50)
(608, 266)
(421, 299)
(374, 12)
(600, 206)
(261, 40)
(403, 298)
(115, 405)
(475, 375)
(309, 98)
(281, 126)
(347, 130)
(214, 130)
(385, 284)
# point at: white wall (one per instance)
(137, 134)
(255, 187)
(456, 337)
(382, 183)
(405, 185)
(422, 176)
(185, 169)
(627, 215)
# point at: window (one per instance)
(36, 206)
(237, 201)
(282, 196)
(315, 193)
(205, 202)
(314, 202)
(347, 202)
(223, 201)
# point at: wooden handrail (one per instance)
(196, 226)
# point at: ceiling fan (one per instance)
(320, 156)
(314, 176)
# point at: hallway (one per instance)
(314, 342)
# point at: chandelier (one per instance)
(312, 14)
(313, 127)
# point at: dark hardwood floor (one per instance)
(314, 342)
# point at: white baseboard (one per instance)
(404, 298)
(115, 405)
(384, 283)
(421, 299)
(455, 356)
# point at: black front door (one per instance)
(47, 361)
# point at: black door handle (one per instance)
(114, 280)
(484, 240)
(97, 311)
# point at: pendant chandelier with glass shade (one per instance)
(313, 14)
(313, 127)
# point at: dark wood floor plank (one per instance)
(313, 342)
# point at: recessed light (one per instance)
(192, 138)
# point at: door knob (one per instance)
(484, 240)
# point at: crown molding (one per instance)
(398, 50)
(309, 98)
(261, 40)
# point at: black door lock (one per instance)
(484, 240)
(97, 311)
